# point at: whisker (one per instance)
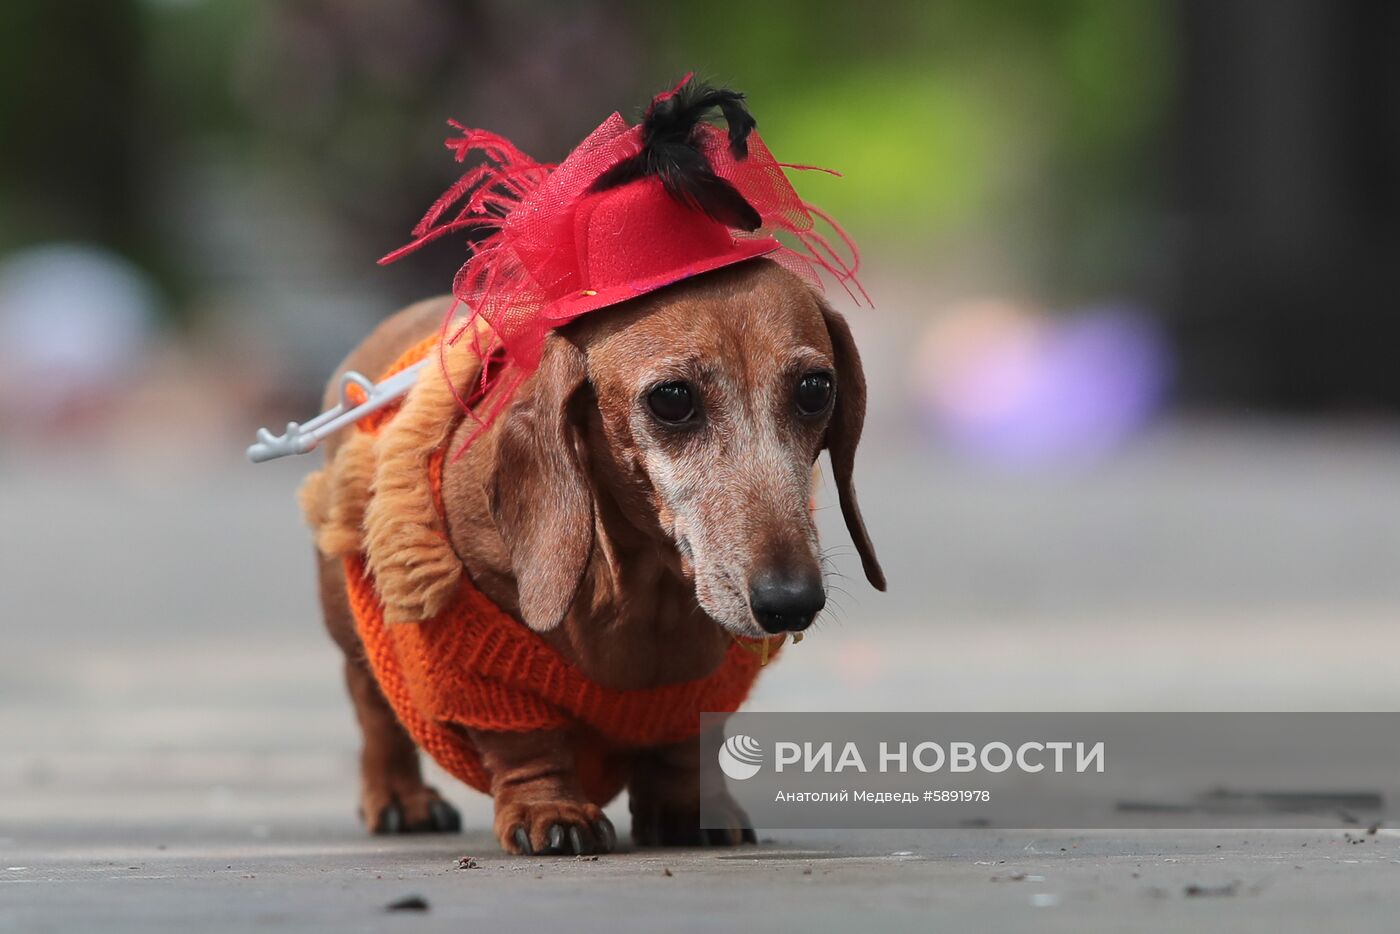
(831, 612)
(831, 572)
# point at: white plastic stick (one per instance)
(300, 439)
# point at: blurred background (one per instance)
(1133, 440)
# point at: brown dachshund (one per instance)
(644, 498)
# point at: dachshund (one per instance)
(643, 499)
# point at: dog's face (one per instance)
(702, 409)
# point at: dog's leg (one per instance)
(540, 806)
(665, 800)
(393, 796)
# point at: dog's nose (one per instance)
(786, 602)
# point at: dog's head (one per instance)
(696, 413)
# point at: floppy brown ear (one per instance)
(843, 434)
(540, 499)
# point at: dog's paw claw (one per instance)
(389, 821)
(605, 834)
(445, 818)
(555, 842)
(555, 829)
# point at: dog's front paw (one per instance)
(554, 828)
(662, 824)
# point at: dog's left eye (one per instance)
(672, 402)
(813, 393)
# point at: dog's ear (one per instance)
(540, 498)
(843, 435)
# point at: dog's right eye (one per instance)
(672, 402)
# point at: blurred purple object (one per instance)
(1021, 388)
(75, 321)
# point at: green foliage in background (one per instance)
(1029, 127)
(1020, 118)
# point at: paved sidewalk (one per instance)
(321, 875)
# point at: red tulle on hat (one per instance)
(614, 221)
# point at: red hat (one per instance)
(631, 210)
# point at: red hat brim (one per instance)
(570, 307)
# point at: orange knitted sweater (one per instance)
(473, 665)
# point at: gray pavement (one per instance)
(320, 875)
(178, 755)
